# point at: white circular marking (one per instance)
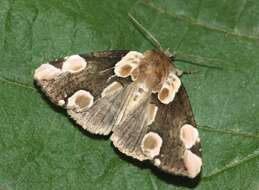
(74, 64)
(127, 64)
(151, 144)
(80, 100)
(192, 163)
(46, 72)
(169, 88)
(157, 162)
(175, 81)
(189, 135)
(61, 103)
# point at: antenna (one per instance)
(157, 44)
(146, 33)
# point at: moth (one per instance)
(136, 98)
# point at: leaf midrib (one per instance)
(192, 21)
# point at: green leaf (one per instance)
(40, 148)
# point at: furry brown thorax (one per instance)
(154, 69)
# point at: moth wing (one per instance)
(59, 82)
(129, 132)
(81, 79)
(180, 152)
(164, 134)
(100, 118)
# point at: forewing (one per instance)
(101, 116)
(180, 152)
(58, 85)
(81, 92)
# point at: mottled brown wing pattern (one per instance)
(169, 151)
(99, 95)
(168, 125)
(93, 78)
(100, 118)
(133, 125)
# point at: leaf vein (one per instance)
(194, 22)
(154, 185)
(229, 131)
(231, 165)
(17, 84)
(240, 13)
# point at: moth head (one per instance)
(74, 64)
(192, 163)
(80, 100)
(151, 144)
(189, 135)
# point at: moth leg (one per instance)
(190, 72)
(179, 72)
